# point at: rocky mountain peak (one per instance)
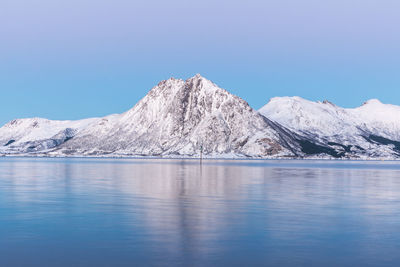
(178, 117)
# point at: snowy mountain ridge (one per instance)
(371, 130)
(176, 118)
(179, 118)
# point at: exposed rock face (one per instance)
(183, 118)
(369, 131)
(37, 134)
(176, 118)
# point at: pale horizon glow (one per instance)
(85, 58)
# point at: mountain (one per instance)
(182, 118)
(176, 118)
(37, 134)
(369, 131)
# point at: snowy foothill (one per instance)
(371, 130)
(179, 118)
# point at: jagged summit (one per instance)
(200, 82)
(197, 76)
(371, 130)
(185, 117)
(196, 82)
(176, 117)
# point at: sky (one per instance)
(88, 58)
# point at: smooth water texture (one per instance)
(158, 212)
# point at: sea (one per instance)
(187, 212)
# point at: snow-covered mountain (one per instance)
(371, 130)
(182, 118)
(37, 134)
(177, 117)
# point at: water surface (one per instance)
(158, 212)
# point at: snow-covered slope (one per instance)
(371, 130)
(180, 118)
(176, 117)
(37, 134)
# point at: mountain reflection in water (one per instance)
(124, 212)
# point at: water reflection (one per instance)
(177, 212)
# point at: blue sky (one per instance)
(83, 58)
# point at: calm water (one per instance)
(124, 212)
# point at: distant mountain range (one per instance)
(180, 118)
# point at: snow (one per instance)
(175, 118)
(34, 129)
(326, 122)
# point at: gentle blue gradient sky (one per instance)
(82, 58)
